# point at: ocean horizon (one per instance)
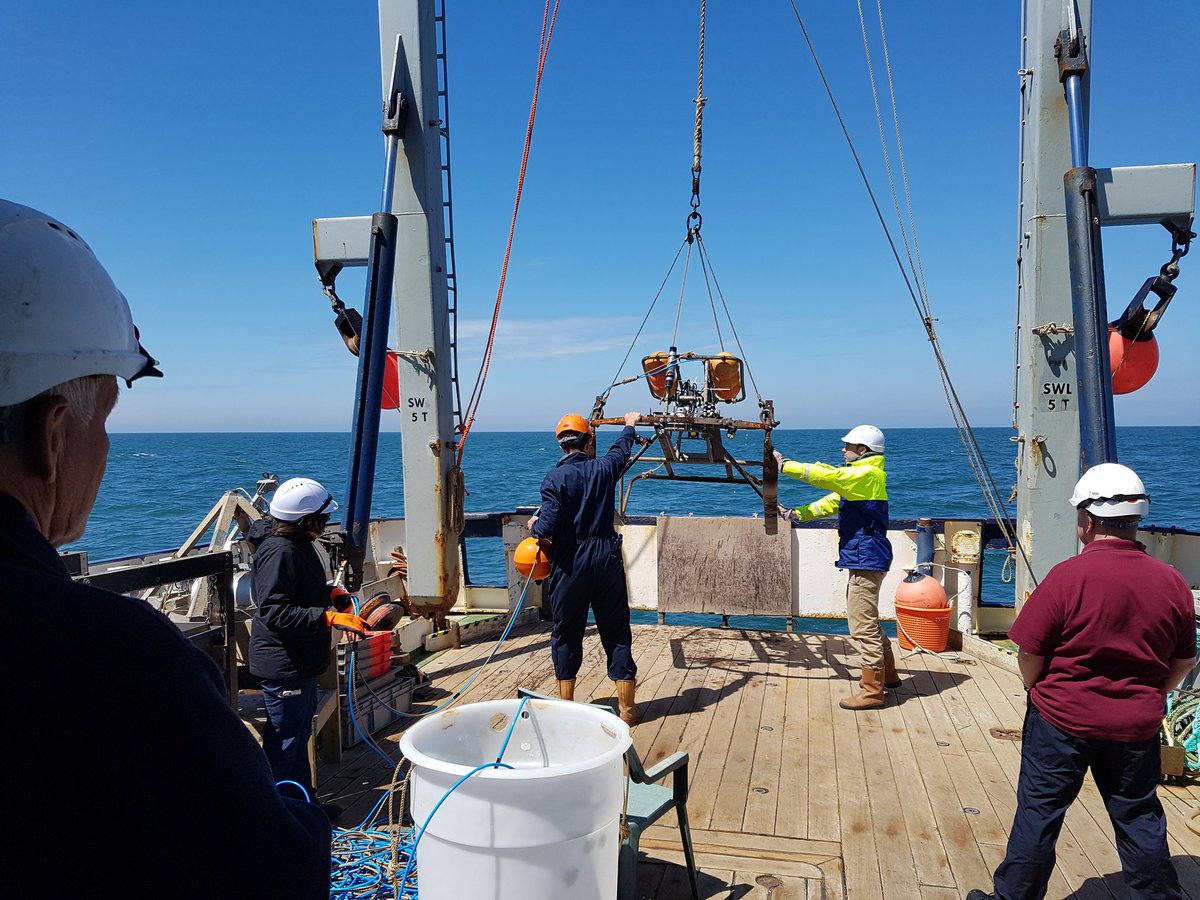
(160, 485)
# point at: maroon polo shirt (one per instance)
(1109, 621)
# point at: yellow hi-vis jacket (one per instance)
(859, 491)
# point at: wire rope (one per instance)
(616, 378)
(962, 423)
(549, 18)
(706, 259)
(708, 286)
(687, 261)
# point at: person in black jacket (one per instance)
(290, 637)
(162, 782)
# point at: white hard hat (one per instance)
(61, 316)
(1111, 490)
(868, 435)
(300, 497)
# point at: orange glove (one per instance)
(340, 599)
(347, 622)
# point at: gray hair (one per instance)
(82, 396)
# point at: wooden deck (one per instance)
(793, 797)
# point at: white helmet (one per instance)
(300, 497)
(868, 435)
(61, 316)
(1111, 490)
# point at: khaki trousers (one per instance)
(862, 613)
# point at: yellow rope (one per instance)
(624, 829)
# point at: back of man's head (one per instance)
(66, 334)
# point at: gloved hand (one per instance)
(779, 459)
(788, 515)
(347, 622)
(341, 599)
(400, 562)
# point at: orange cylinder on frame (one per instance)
(725, 376)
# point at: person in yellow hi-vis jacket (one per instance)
(858, 494)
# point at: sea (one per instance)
(158, 487)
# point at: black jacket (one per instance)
(161, 776)
(289, 637)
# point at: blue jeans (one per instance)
(290, 707)
(1053, 764)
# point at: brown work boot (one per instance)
(626, 702)
(870, 693)
(891, 678)
(566, 689)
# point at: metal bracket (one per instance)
(1071, 55)
(395, 107)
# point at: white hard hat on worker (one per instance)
(1111, 491)
(300, 497)
(867, 435)
(61, 316)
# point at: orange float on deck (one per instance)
(921, 592)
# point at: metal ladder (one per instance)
(448, 209)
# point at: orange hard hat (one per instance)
(530, 560)
(572, 422)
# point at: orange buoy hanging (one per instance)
(921, 591)
(530, 561)
(390, 398)
(1133, 361)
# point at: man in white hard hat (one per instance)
(1103, 638)
(858, 496)
(168, 794)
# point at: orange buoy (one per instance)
(530, 560)
(725, 376)
(921, 591)
(655, 367)
(1133, 362)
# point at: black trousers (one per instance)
(596, 580)
(1053, 764)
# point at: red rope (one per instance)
(548, 20)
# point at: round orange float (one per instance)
(530, 560)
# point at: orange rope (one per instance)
(548, 20)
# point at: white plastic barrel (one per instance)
(547, 828)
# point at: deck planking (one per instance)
(791, 796)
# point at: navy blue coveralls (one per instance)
(577, 518)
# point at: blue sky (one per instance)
(192, 145)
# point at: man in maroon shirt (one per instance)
(1103, 638)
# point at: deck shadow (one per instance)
(1112, 884)
(915, 682)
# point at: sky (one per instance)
(193, 144)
